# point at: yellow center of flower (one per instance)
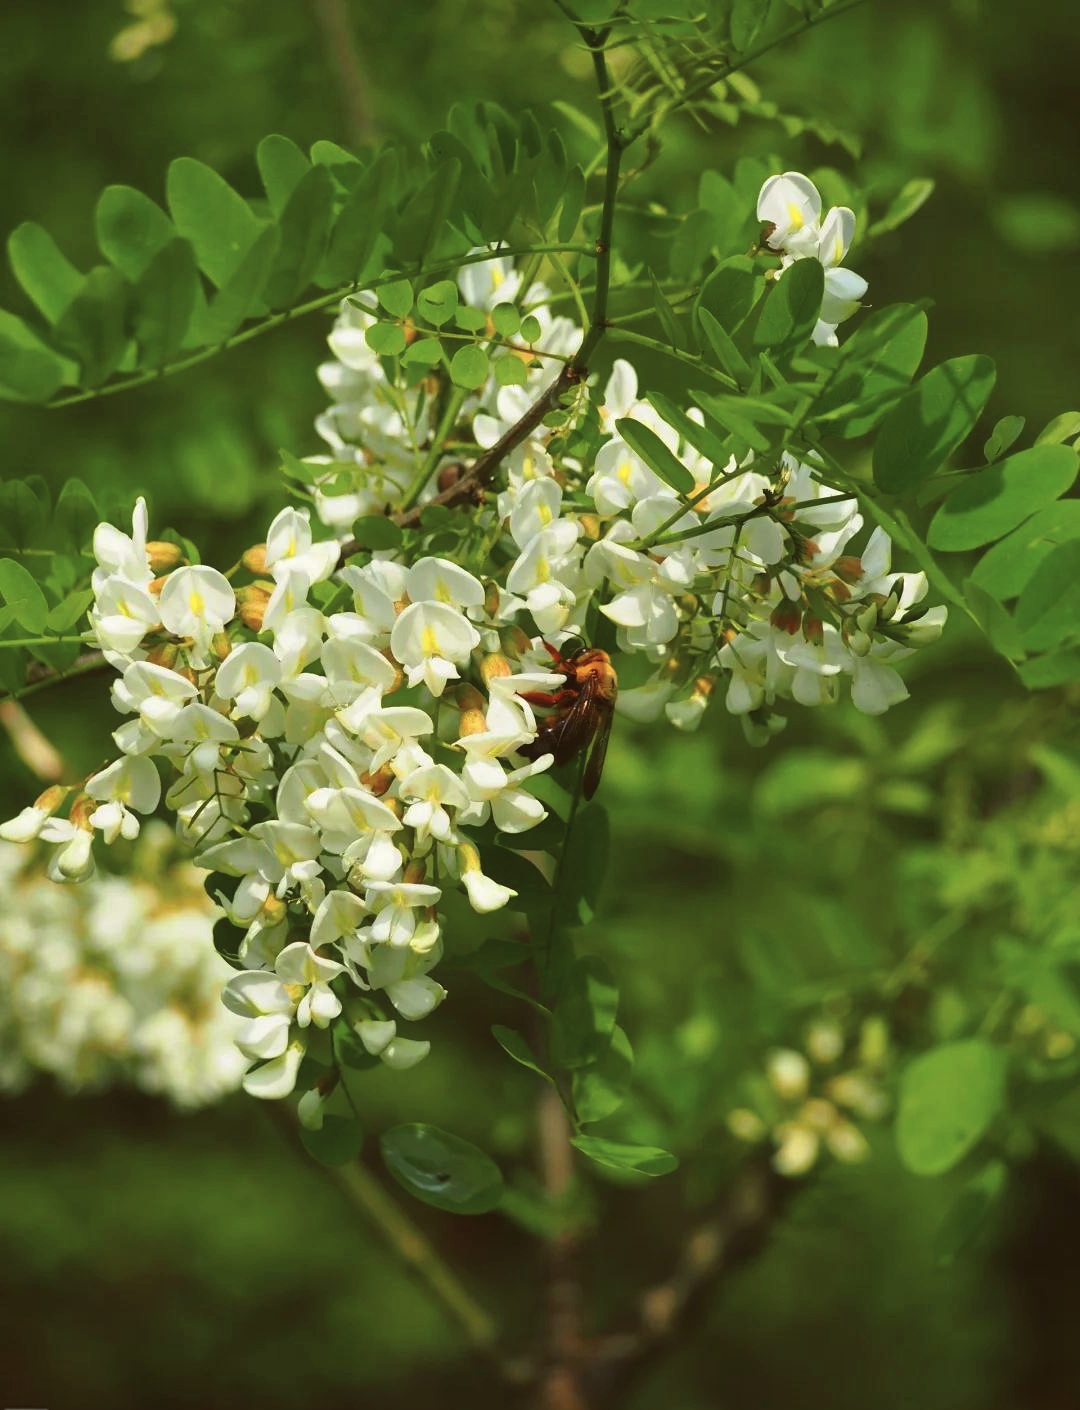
(429, 642)
(196, 604)
(795, 217)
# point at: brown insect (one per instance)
(583, 711)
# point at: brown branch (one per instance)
(735, 1233)
(469, 489)
(332, 18)
(558, 1382)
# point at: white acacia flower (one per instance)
(129, 783)
(429, 792)
(439, 580)
(791, 203)
(395, 904)
(75, 859)
(289, 545)
(431, 639)
(299, 966)
(196, 602)
(277, 1078)
(248, 676)
(119, 556)
(122, 614)
(156, 693)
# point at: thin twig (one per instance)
(39, 754)
(332, 18)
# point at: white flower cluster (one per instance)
(292, 768)
(792, 207)
(751, 584)
(805, 1104)
(117, 982)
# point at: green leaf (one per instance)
(530, 329)
(875, 368)
(422, 352)
(338, 1141)
(666, 315)
(29, 370)
(422, 223)
(131, 229)
(1002, 436)
(92, 327)
(967, 1215)
(727, 354)
(646, 1160)
(988, 505)
(506, 320)
(1061, 428)
(344, 166)
(1005, 570)
(165, 298)
(584, 1014)
(397, 298)
(48, 277)
(515, 1046)
(573, 203)
(376, 532)
(692, 246)
(747, 17)
(1048, 672)
(469, 367)
(282, 166)
(728, 412)
(76, 514)
(730, 292)
(218, 221)
(303, 228)
(441, 1169)
(1001, 628)
(508, 869)
(911, 198)
(1049, 608)
(22, 596)
(510, 371)
(692, 432)
(650, 448)
(66, 614)
(438, 302)
(584, 866)
(930, 421)
(601, 1088)
(353, 250)
(948, 1099)
(387, 339)
(242, 295)
(792, 308)
(22, 514)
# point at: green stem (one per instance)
(312, 306)
(96, 662)
(42, 641)
(367, 1195)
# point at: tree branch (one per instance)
(735, 1234)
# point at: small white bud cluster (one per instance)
(807, 1101)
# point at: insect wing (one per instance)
(595, 767)
(578, 725)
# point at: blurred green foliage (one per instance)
(188, 1261)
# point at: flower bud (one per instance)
(818, 1114)
(825, 1041)
(164, 655)
(251, 606)
(472, 722)
(514, 643)
(590, 525)
(163, 555)
(154, 586)
(786, 617)
(220, 645)
(812, 629)
(847, 1143)
(449, 475)
(848, 569)
(746, 1125)
(788, 1073)
(254, 558)
(81, 809)
(378, 783)
(798, 1149)
(494, 666)
(467, 697)
(492, 599)
(415, 871)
